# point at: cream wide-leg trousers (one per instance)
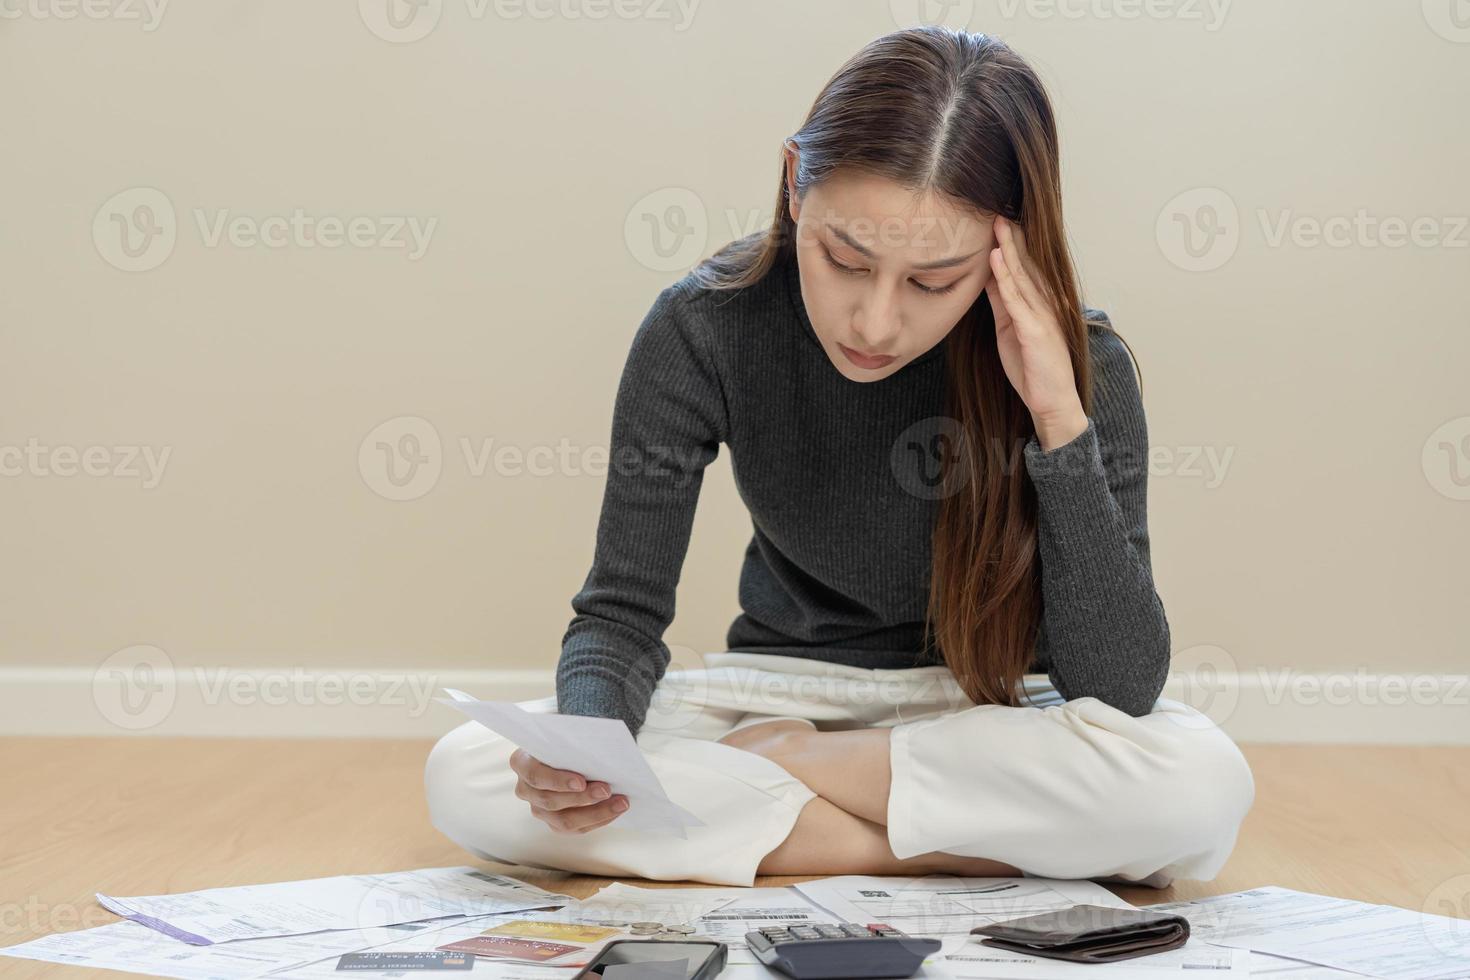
(1059, 789)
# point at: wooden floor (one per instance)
(141, 816)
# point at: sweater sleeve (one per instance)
(1103, 630)
(669, 418)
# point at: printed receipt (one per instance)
(599, 748)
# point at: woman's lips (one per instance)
(865, 361)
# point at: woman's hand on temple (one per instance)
(564, 801)
(1033, 349)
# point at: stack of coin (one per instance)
(668, 932)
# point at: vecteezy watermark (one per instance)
(955, 14)
(667, 230)
(1200, 230)
(1447, 910)
(311, 688)
(928, 460)
(1363, 229)
(1362, 687)
(403, 459)
(1212, 683)
(135, 687)
(147, 13)
(1209, 13)
(36, 917)
(1446, 458)
(1208, 464)
(137, 229)
(139, 687)
(36, 459)
(1450, 19)
(406, 21)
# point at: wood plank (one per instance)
(139, 816)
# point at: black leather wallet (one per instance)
(1089, 933)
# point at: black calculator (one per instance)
(846, 951)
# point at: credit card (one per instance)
(405, 961)
(520, 949)
(563, 932)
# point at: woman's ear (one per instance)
(793, 160)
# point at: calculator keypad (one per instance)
(849, 950)
(844, 930)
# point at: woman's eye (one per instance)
(936, 290)
(838, 265)
(931, 290)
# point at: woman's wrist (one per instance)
(1059, 428)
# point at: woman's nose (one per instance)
(877, 320)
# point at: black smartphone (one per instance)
(654, 959)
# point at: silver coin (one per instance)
(610, 923)
(670, 937)
(683, 929)
(648, 925)
(641, 931)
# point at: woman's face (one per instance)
(886, 275)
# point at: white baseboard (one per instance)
(261, 702)
(1283, 706)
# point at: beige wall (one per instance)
(1316, 374)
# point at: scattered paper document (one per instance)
(290, 908)
(134, 948)
(1377, 940)
(600, 749)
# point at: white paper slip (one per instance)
(621, 902)
(1281, 968)
(751, 909)
(1377, 940)
(977, 961)
(941, 906)
(291, 908)
(599, 748)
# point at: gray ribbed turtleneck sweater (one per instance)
(838, 567)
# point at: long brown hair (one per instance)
(961, 114)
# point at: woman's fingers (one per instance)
(1005, 281)
(581, 819)
(552, 800)
(1013, 250)
(538, 775)
(564, 801)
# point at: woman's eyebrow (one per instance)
(935, 264)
